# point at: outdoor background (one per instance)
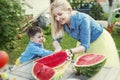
(17, 16)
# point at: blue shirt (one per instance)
(83, 28)
(32, 51)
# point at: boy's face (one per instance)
(38, 38)
(62, 16)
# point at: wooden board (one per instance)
(106, 73)
(23, 72)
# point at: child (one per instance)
(92, 37)
(35, 47)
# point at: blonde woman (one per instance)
(91, 36)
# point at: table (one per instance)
(23, 72)
(106, 73)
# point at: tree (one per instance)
(11, 17)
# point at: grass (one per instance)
(15, 53)
(66, 43)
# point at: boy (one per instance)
(35, 47)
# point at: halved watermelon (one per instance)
(42, 70)
(50, 67)
(54, 60)
(89, 64)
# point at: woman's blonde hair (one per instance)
(57, 29)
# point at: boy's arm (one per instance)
(41, 52)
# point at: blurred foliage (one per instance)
(11, 18)
(97, 11)
(118, 5)
(91, 7)
(47, 30)
(81, 4)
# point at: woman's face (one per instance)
(61, 16)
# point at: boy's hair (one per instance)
(33, 30)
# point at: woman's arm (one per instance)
(56, 45)
(78, 49)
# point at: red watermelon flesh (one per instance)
(42, 71)
(89, 59)
(44, 68)
(54, 60)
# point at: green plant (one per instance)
(91, 7)
(97, 11)
(105, 16)
(11, 15)
(47, 30)
(118, 5)
(19, 49)
(81, 4)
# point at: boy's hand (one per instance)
(69, 53)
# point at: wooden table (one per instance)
(23, 72)
(106, 73)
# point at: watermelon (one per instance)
(42, 70)
(50, 67)
(89, 64)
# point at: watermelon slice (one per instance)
(89, 64)
(50, 67)
(42, 70)
(54, 60)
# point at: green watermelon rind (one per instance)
(60, 71)
(89, 70)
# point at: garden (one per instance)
(14, 41)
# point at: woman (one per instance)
(92, 37)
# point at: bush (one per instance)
(11, 15)
(97, 11)
(91, 7)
